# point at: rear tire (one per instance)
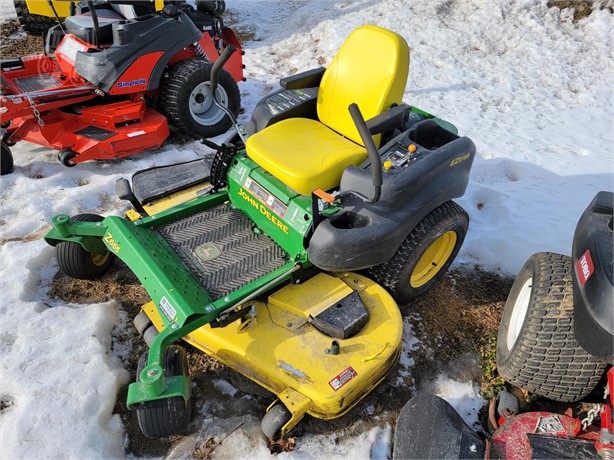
(425, 254)
(168, 416)
(536, 347)
(32, 24)
(6, 160)
(185, 98)
(76, 262)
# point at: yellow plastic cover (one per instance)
(371, 70)
(304, 154)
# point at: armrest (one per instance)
(307, 79)
(389, 120)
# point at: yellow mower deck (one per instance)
(282, 351)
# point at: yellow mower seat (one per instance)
(370, 69)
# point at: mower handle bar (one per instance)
(217, 65)
(376, 161)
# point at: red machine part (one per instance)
(605, 444)
(102, 132)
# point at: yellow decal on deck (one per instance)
(108, 238)
(457, 160)
(264, 211)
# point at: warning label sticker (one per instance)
(167, 309)
(343, 378)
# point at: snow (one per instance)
(529, 86)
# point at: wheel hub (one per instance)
(433, 259)
(519, 313)
(202, 107)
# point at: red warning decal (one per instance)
(343, 378)
(585, 267)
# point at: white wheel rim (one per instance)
(519, 313)
(202, 108)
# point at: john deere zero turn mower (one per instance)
(285, 262)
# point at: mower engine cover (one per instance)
(593, 259)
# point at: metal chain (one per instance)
(590, 416)
(37, 114)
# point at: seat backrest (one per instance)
(133, 9)
(370, 69)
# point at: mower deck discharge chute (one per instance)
(284, 261)
(118, 75)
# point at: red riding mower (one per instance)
(556, 340)
(120, 73)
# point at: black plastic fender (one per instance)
(593, 259)
(428, 427)
(133, 39)
(363, 234)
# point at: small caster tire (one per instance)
(67, 158)
(6, 160)
(168, 416)
(76, 262)
(141, 323)
(274, 420)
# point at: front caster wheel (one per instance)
(6, 160)
(76, 262)
(169, 416)
(67, 158)
(274, 420)
(425, 254)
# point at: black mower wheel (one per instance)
(169, 416)
(274, 420)
(536, 347)
(425, 254)
(66, 157)
(6, 160)
(32, 24)
(185, 98)
(76, 262)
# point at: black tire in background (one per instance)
(169, 416)
(536, 347)
(425, 254)
(32, 24)
(76, 262)
(6, 160)
(185, 98)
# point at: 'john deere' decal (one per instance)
(208, 251)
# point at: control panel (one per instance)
(401, 154)
(289, 98)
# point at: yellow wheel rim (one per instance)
(100, 259)
(433, 259)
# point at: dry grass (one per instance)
(582, 8)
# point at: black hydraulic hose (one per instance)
(90, 5)
(217, 65)
(376, 161)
